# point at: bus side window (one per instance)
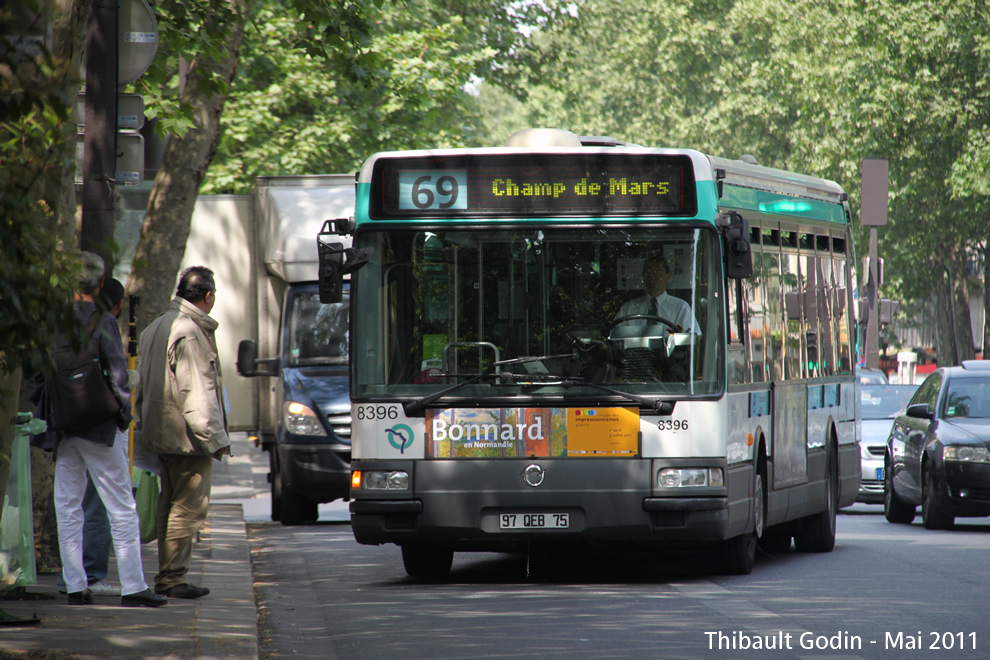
(736, 347)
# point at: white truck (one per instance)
(290, 387)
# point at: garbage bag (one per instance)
(17, 564)
(146, 490)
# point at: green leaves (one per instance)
(803, 85)
(320, 91)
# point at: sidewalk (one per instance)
(221, 625)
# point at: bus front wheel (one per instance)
(816, 532)
(739, 553)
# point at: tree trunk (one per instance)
(986, 299)
(954, 339)
(962, 319)
(945, 354)
(46, 552)
(166, 224)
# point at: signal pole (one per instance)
(873, 214)
(100, 139)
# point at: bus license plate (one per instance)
(534, 521)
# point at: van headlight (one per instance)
(301, 420)
(690, 477)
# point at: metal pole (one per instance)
(132, 364)
(873, 321)
(100, 140)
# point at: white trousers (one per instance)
(108, 467)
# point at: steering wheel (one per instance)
(671, 326)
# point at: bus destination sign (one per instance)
(522, 185)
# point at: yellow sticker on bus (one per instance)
(532, 432)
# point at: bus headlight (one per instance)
(689, 477)
(301, 420)
(380, 480)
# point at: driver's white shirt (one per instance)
(670, 308)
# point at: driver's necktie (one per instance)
(654, 308)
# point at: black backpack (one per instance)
(80, 392)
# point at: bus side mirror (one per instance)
(330, 274)
(735, 237)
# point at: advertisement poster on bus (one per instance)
(532, 432)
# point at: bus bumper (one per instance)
(463, 507)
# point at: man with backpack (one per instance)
(96, 528)
(85, 429)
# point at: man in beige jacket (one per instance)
(179, 408)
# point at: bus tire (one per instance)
(776, 539)
(739, 553)
(427, 561)
(895, 509)
(816, 532)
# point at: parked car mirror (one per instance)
(921, 411)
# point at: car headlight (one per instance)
(689, 477)
(301, 419)
(966, 453)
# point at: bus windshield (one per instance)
(539, 311)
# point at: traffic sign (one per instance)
(873, 201)
(130, 111)
(130, 158)
(137, 40)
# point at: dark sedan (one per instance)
(938, 452)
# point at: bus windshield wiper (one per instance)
(413, 408)
(658, 406)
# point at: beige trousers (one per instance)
(182, 509)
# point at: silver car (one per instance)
(880, 404)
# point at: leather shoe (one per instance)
(84, 597)
(184, 591)
(146, 598)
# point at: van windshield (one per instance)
(317, 333)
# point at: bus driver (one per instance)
(657, 302)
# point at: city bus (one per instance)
(513, 390)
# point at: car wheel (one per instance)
(931, 516)
(427, 561)
(276, 487)
(292, 509)
(895, 509)
(816, 533)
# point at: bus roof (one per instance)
(702, 167)
(741, 185)
(749, 175)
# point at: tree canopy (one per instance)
(803, 85)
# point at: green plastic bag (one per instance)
(17, 565)
(146, 489)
